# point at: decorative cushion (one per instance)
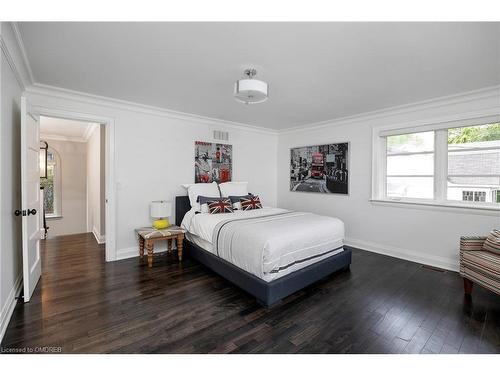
(250, 203)
(492, 243)
(204, 189)
(220, 206)
(203, 201)
(233, 188)
(235, 200)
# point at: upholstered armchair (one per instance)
(480, 262)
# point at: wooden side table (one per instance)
(148, 236)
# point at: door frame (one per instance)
(110, 183)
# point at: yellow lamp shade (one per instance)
(160, 209)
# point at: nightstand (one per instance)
(148, 236)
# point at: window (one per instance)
(479, 196)
(495, 196)
(473, 196)
(474, 162)
(467, 196)
(445, 165)
(52, 185)
(410, 165)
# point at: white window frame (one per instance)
(440, 127)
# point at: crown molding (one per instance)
(22, 49)
(17, 60)
(62, 93)
(465, 97)
(11, 63)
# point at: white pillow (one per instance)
(207, 190)
(233, 188)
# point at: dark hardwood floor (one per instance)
(383, 305)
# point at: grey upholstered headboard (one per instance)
(182, 206)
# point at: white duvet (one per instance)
(278, 243)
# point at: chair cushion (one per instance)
(492, 242)
(482, 267)
(468, 243)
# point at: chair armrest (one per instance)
(470, 243)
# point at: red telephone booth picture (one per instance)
(225, 175)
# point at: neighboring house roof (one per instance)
(469, 159)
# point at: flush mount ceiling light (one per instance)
(249, 90)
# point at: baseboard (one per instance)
(127, 253)
(431, 260)
(98, 237)
(8, 309)
(411, 255)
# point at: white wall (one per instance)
(95, 183)
(73, 169)
(154, 155)
(425, 235)
(10, 178)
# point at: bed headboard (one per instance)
(182, 206)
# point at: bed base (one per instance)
(266, 293)
(271, 293)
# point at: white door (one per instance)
(30, 199)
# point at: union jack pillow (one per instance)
(220, 206)
(250, 203)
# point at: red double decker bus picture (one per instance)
(317, 165)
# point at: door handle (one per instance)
(31, 212)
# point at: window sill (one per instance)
(488, 210)
(53, 217)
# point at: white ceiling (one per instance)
(62, 129)
(315, 71)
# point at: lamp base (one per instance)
(161, 224)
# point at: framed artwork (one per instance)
(320, 169)
(212, 162)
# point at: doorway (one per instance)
(72, 178)
(97, 222)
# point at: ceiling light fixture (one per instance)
(249, 90)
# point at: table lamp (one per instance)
(161, 210)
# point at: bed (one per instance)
(268, 253)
